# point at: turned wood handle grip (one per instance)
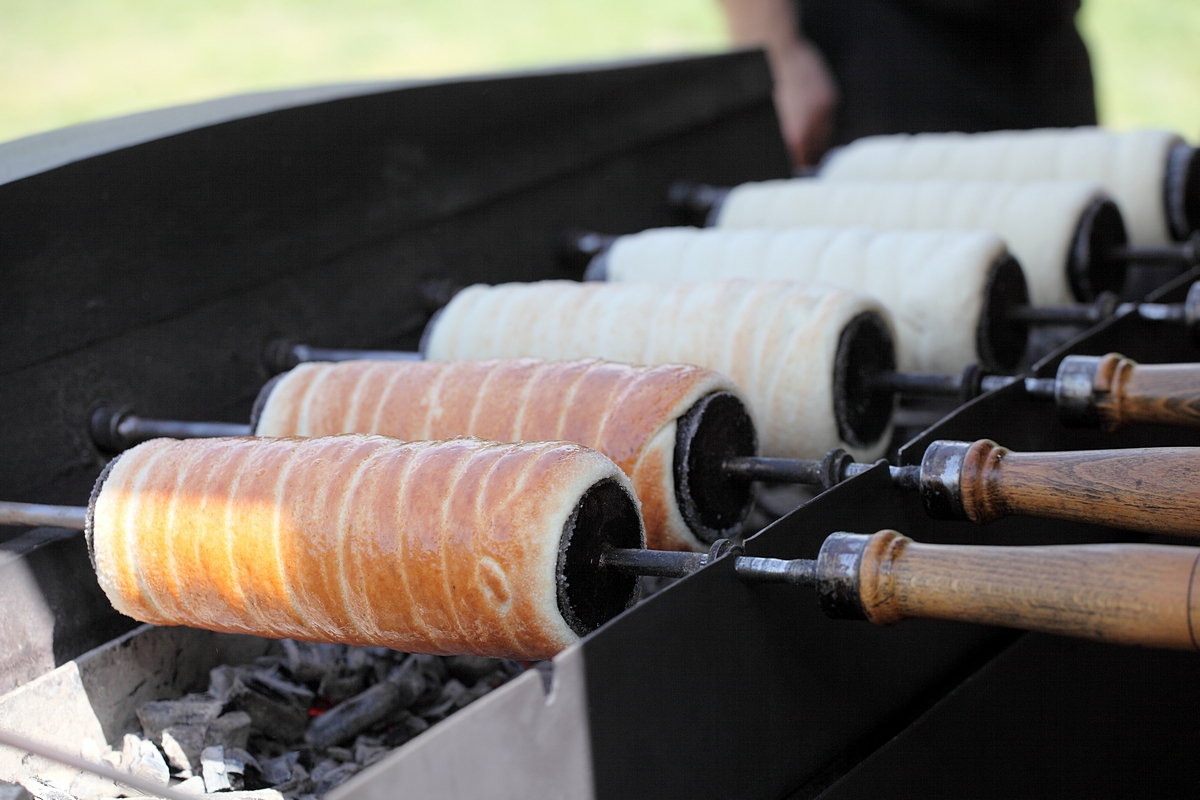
(1126, 392)
(1154, 490)
(1136, 594)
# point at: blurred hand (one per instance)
(805, 96)
(805, 92)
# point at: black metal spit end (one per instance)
(672, 564)
(115, 429)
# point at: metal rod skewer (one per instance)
(38, 515)
(148, 788)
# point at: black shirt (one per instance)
(906, 66)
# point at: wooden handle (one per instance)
(1126, 392)
(1154, 490)
(1137, 594)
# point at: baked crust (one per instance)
(1037, 219)
(1130, 165)
(433, 547)
(776, 340)
(933, 281)
(627, 413)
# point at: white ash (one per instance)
(249, 734)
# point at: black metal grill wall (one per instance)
(154, 274)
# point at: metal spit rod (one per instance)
(37, 515)
(916, 383)
(148, 788)
(671, 564)
(1102, 308)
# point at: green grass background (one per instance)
(68, 61)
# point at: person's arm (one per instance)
(805, 93)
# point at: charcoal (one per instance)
(339, 686)
(297, 784)
(439, 712)
(339, 754)
(358, 659)
(234, 765)
(269, 662)
(229, 730)
(141, 758)
(279, 769)
(474, 693)
(444, 704)
(346, 720)
(410, 728)
(13, 791)
(325, 780)
(307, 661)
(239, 754)
(269, 713)
(469, 669)
(43, 791)
(87, 786)
(177, 755)
(267, 682)
(368, 741)
(379, 652)
(324, 767)
(221, 679)
(193, 785)
(433, 667)
(212, 767)
(157, 715)
(366, 755)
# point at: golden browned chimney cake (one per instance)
(628, 413)
(460, 546)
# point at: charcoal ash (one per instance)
(292, 725)
(13, 791)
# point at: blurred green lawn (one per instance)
(67, 61)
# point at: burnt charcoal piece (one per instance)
(298, 784)
(279, 769)
(360, 713)
(158, 715)
(43, 791)
(447, 702)
(326, 777)
(469, 669)
(307, 661)
(221, 680)
(141, 758)
(229, 730)
(359, 659)
(183, 757)
(270, 713)
(346, 720)
(339, 686)
(481, 688)
(213, 769)
(339, 754)
(13, 791)
(366, 754)
(297, 695)
(434, 667)
(409, 728)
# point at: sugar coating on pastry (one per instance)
(627, 413)
(932, 281)
(431, 547)
(1130, 165)
(777, 340)
(1037, 220)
